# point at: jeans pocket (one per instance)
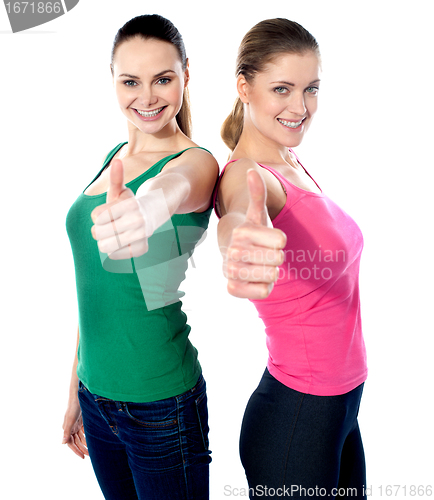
(151, 433)
(202, 415)
(156, 415)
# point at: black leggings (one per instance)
(302, 446)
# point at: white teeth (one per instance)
(149, 114)
(290, 124)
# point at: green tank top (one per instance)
(134, 342)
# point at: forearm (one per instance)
(164, 196)
(73, 386)
(73, 432)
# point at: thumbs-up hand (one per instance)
(116, 187)
(119, 225)
(255, 250)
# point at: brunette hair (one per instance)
(259, 46)
(158, 28)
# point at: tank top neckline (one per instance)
(109, 159)
(284, 180)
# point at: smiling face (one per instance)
(282, 99)
(149, 82)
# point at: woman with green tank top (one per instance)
(137, 403)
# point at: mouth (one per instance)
(291, 124)
(149, 114)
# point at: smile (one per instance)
(150, 114)
(290, 124)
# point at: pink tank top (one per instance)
(312, 316)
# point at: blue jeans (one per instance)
(149, 451)
(298, 445)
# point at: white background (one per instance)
(370, 148)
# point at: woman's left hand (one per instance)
(120, 225)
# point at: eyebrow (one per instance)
(293, 85)
(155, 76)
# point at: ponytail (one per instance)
(233, 125)
(183, 118)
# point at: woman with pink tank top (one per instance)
(295, 254)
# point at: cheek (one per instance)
(173, 94)
(121, 95)
(312, 107)
(273, 105)
(263, 107)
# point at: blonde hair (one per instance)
(183, 118)
(260, 45)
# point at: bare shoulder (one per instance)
(236, 173)
(232, 194)
(198, 156)
(233, 189)
(196, 159)
(241, 164)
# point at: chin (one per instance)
(292, 143)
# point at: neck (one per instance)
(254, 145)
(168, 139)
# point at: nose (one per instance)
(296, 104)
(147, 97)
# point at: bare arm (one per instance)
(189, 185)
(73, 387)
(73, 434)
(125, 222)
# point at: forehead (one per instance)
(293, 66)
(151, 55)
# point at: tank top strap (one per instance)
(111, 154)
(304, 168)
(158, 166)
(107, 160)
(285, 183)
(162, 163)
(276, 174)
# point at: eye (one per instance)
(312, 90)
(163, 81)
(281, 90)
(130, 83)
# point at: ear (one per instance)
(243, 89)
(186, 74)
